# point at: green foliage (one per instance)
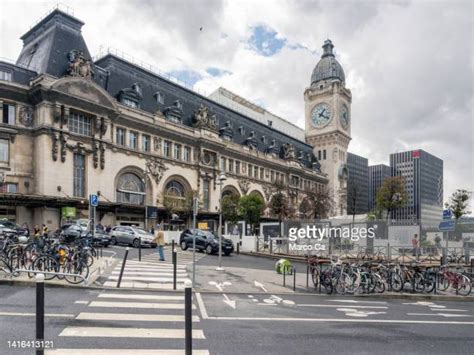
(459, 202)
(251, 208)
(392, 194)
(230, 208)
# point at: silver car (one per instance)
(131, 236)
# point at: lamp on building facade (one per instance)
(222, 178)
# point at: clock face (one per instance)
(321, 115)
(344, 116)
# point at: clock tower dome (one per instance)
(328, 124)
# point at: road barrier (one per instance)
(40, 313)
(123, 267)
(188, 324)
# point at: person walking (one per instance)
(416, 245)
(160, 241)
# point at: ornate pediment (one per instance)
(204, 120)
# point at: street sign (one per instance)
(446, 226)
(447, 214)
(93, 200)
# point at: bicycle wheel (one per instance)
(443, 282)
(47, 264)
(396, 282)
(4, 266)
(418, 282)
(463, 285)
(429, 281)
(340, 283)
(78, 268)
(315, 276)
(379, 284)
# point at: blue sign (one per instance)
(94, 200)
(447, 214)
(446, 226)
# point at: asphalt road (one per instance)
(254, 324)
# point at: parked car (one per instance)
(131, 236)
(205, 241)
(70, 232)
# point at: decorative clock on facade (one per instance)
(321, 115)
(344, 116)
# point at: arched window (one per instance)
(175, 189)
(131, 189)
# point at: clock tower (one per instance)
(328, 124)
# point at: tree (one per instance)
(251, 208)
(391, 195)
(353, 195)
(458, 203)
(230, 208)
(321, 202)
(279, 207)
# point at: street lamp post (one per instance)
(222, 178)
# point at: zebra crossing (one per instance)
(152, 273)
(130, 323)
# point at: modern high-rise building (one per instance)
(377, 175)
(357, 184)
(423, 173)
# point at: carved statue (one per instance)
(272, 148)
(267, 190)
(202, 119)
(244, 186)
(288, 151)
(251, 141)
(54, 148)
(157, 144)
(63, 140)
(26, 116)
(102, 155)
(79, 66)
(95, 154)
(156, 169)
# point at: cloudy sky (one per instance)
(409, 64)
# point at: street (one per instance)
(231, 314)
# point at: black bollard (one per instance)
(188, 323)
(40, 312)
(174, 257)
(284, 276)
(238, 248)
(139, 248)
(307, 275)
(294, 278)
(123, 267)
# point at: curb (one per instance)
(273, 256)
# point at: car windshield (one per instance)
(140, 231)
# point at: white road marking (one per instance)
(81, 302)
(342, 320)
(133, 317)
(149, 272)
(149, 278)
(164, 286)
(228, 301)
(19, 314)
(220, 285)
(424, 303)
(202, 307)
(129, 332)
(355, 301)
(340, 305)
(138, 305)
(141, 297)
(446, 315)
(260, 285)
(351, 312)
(123, 352)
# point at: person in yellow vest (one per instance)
(160, 241)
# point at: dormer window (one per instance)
(129, 103)
(5, 75)
(242, 130)
(159, 98)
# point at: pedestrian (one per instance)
(160, 241)
(45, 230)
(36, 232)
(415, 245)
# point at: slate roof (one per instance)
(46, 49)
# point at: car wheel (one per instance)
(113, 241)
(209, 249)
(136, 243)
(184, 246)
